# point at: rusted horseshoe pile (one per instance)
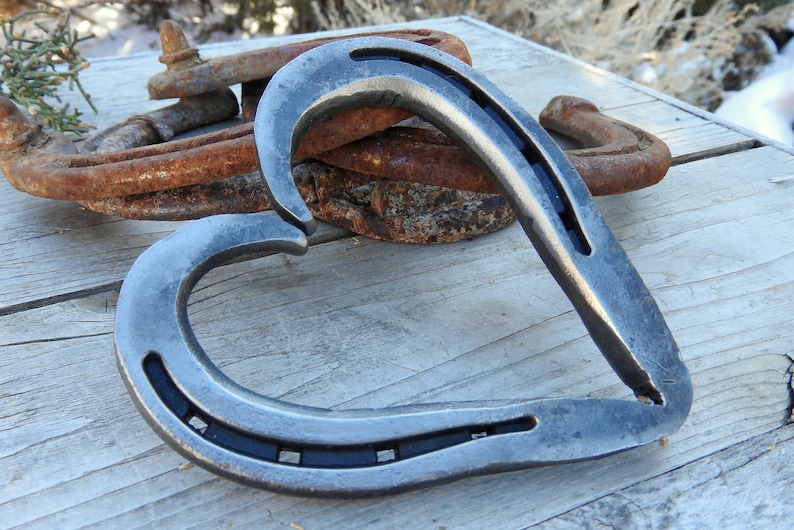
(376, 171)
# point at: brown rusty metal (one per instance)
(400, 211)
(420, 154)
(409, 184)
(239, 194)
(440, 194)
(406, 212)
(46, 164)
(617, 157)
(188, 75)
(162, 125)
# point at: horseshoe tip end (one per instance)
(15, 128)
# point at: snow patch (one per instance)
(766, 106)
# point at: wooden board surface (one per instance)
(364, 323)
(748, 485)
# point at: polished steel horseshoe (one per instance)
(245, 435)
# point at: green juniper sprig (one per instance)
(34, 66)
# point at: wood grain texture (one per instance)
(55, 249)
(361, 323)
(745, 486)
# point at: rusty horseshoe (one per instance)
(616, 157)
(46, 164)
(355, 169)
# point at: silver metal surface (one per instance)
(366, 452)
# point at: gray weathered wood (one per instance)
(56, 249)
(363, 323)
(359, 323)
(748, 485)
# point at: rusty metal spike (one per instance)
(177, 54)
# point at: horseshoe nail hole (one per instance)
(386, 455)
(289, 456)
(198, 423)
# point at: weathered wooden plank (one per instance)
(52, 249)
(688, 136)
(745, 486)
(56, 249)
(361, 323)
(400, 324)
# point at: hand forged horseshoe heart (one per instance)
(374, 451)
